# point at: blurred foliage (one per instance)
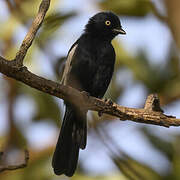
(135, 170)
(163, 79)
(137, 8)
(46, 106)
(51, 25)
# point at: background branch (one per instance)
(18, 166)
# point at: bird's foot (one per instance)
(105, 99)
(108, 101)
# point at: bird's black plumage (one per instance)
(89, 67)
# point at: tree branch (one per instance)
(150, 114)
(44, 6)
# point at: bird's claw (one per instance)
(108, 101)
(105, 99)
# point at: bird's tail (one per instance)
(72, 137)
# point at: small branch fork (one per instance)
(150, 114)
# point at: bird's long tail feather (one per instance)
(72, 137)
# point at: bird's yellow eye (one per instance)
(108, 23)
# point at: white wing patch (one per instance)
(68, 67)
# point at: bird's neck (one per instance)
(99, 36)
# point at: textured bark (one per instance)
(150, 114)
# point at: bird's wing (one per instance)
(68, 64)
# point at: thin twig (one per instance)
(44, 6)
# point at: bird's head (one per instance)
(104, 25)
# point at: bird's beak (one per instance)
(119, 31)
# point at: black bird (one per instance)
(89, 67)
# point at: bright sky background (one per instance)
(148, 34)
